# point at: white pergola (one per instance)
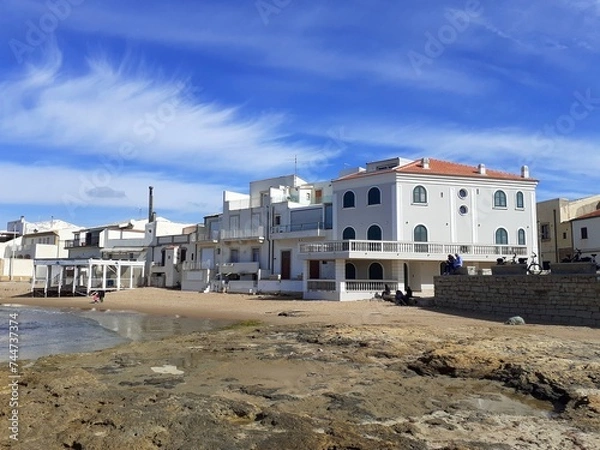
(87, 274)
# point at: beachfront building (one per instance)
(586, 235)
(260, 232)
(199, 268)
(253, 245)
(45, 239)
(106, 257)
(555, 218)
(395, 222)
(167, 254)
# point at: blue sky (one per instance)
(101, 99)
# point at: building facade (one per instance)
(392, 223)
(396, 221)
(586, 235)
(554, 222)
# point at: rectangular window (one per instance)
(255, 254)
(564, 235)
(234, 223)
(276, 220)
(234, 255)
(584, 233)
(545, 231)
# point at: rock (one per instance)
(516, 320)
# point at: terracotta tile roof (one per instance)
(588, 216)
(439, 167)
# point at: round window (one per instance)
(463, 193)
(463, 210)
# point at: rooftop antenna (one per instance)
(295, 165)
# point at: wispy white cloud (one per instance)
(562, 161)
(163, 122)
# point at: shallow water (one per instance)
(47, 331)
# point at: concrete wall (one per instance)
(544, 299)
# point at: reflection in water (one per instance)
(141, 327)
(48, 331)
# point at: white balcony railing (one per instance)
(440, 250)
(245, 233)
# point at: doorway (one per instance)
(286, 264)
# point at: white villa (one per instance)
(396, 221)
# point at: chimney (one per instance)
(524, 172)
(425, 163)
(481, 169)
(150, 204)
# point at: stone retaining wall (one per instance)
(544, 299)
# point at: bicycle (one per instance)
(576, 258)
(534, 267)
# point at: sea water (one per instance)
(48, 331)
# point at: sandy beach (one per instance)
(294, 374)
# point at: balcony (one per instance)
(204, 236)
(173, 239)
(94, 242)
(297, 231)
(425, 251)
(247, 234)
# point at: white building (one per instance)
(396, 221)
(554, 219)
(252, 246)
(108, 257)
(32, 240)
(586, 234)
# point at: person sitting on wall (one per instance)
(458, 262)
(449, 265)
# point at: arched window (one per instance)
(501, 236)
(520, 200)
(374, 233)
(499, 199)
(521, 237)
(375, 271)
(349, 233)
(419, 195)
(350, 271)
(420, 235)
(374, 196)
(349, 200)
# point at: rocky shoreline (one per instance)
(318, 386)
